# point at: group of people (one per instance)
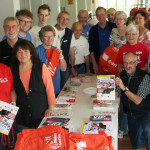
(43, 57)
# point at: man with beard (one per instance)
(67, 43)
(83, 17)
(11, 29)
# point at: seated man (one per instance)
(81, 50)
(134, 91)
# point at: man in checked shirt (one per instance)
(133, 87)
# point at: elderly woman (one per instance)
(33, 86)
(117, 37)
(141, 19)
(47, 34)
(142, 50)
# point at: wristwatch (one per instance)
(126, 89)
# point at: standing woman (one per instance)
(33, 86)
(117, 37)
(47, 34)
(141, 19)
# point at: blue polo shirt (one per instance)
(86, 30)
(103, 38)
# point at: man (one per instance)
(111, 14)
(25, 18)
(67, 43)
(43, 14)
(83, 17)
(99, 37)
(81, 51)
(11, 29)
(134, 91)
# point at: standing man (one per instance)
(83, 17)
(134, 91)
(43, 14)
(11, 29)
(111, 14)
(99, 37)
(67, 43)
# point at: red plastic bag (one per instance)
(107, 61)
(53, 59)
(46, 138)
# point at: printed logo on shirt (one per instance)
(3, 80)
(105, 56)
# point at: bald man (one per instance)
(81, 50)
(110, 14)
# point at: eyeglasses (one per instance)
(25, 22)
(8, 27)
(119, 19)
(133, 34)
(129, 63)
(46, 36)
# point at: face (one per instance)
(25, 23)
(139, 20)
(43, 16)
(111, 14)
(130, 63)
(11, 29)
(132, 37)
(63, 20)
(83, 19)
(119, 21)
(23, 55)
(106, 86)
(48, 38)
(101, 16)
(77, 30)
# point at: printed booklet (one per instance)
(106, 87)
(7, 116)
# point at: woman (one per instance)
(142, 50)
(33, 86)
(47, 34)
(117, 37)
(141, 19)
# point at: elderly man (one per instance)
(83, 17)
(11, 29)
(134, 91)
(99, 37)
(111, 14)
(67, 43)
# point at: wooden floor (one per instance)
(124, 144)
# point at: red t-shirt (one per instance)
(6, 83)
(140, 49)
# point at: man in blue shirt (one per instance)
(99, 37)
(83, 19)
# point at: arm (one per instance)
(72, 58)
(95, 66)
(87, 62)
(13, 97)
(133, 97)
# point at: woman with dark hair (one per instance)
(33, 86)
(141, 19)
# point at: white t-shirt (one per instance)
(81, 50)
(34, 32)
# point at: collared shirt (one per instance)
(144, 87)
(103, 38)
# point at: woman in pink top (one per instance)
(33, 86)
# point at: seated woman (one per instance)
(7, 94)
(33, 86)
(47, 34)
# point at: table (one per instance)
(83, 109)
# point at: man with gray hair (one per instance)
(132, 86)
(132, 45)
(11, 29)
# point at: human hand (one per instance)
(89, 73)
(119, 83)
(95, 68)
(49, 111)
(73, 72)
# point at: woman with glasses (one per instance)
(141, 19)
(132, 45)
(117, 37)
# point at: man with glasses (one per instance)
(142, 50)
(67, 43)
(11, 29)
(43, 14)
(133, 88)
